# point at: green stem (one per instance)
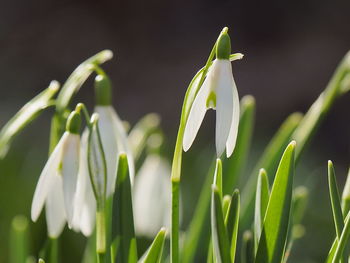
(101, 231)
(174, 240)
(53, 250)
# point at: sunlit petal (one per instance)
(45, 181)
(55, 208)
(224, 104)
(70, 169)
(197, 113)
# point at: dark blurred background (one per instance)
(291, 50)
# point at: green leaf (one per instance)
(274, 233)
(29, 112)
(321, 106)
(335, 200)
(220, 239)
(139, 134)
(78, 77)
(123, 221)
(154, 253)
(269, 160)
(234, 166)
(247, 255)
(261, 201)
(232, 221)
(19, 240)
(344, 237)
(346, 195)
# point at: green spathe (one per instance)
(103, 90)
(223, 48)
(74, 122)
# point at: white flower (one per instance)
(114, 141)
(85, 201)
(218, 92)
(151, 196)
(57, 184)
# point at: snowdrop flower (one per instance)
(113, 135)
(85, 202)
(57, 182)
(217, 92)
(151, 196)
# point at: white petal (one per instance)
(151, 196)
(232, 137)
(55, 209)
(85, 202)
(45, 181)
(114, 141)
(197, 113)
(224, 104)
(70, 169)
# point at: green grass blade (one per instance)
(154, 253)
(19, 240)
(335, 200)
(247, 255)
(274, 234)
(344, 237)
(346, 195)
(78, 77)
(261, 201)
(232, 222)
(30, 111)
(221, 244)
(123, 221)
(234, 166)
(321, 106)
(269, 160)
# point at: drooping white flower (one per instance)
(113, 134)
(218, 92)
(57, 182)
(85, 201)
(151, 196)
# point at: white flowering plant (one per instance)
(91, 184)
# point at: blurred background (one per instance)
(291, 50)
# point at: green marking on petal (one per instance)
(211, 100)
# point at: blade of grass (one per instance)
(29, 112)
(344, 237)
(261, 201)
(346, 195)
(274, 233)
(232, 222)
(154, 253)
(247, 255)
(122, 220)
(268, 160)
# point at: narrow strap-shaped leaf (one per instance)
(296, 231)
(335, 200)
(261, 201)
(232, 222)
(321, 106)
(19, 240)
(78, 77)
(122, 220)
(154, 253)
(247, 254)
(269, 160)
(220, 239)
(221, 244)
(346, 195)
(274, 233)
(234, 166)
(26, 115)
(344, 237)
